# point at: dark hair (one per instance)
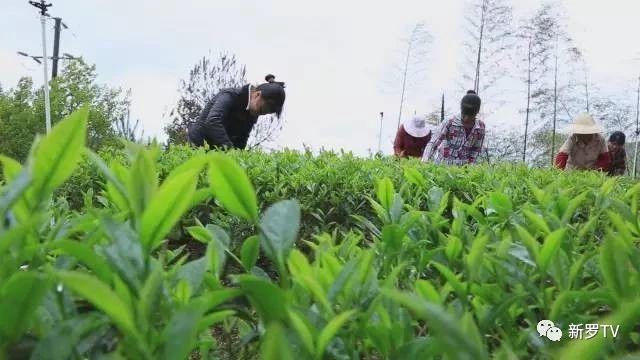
(617, 137)
(470, 104)
(273, 94)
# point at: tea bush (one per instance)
(307, 257)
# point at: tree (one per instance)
(489, 33)
(22, 112)
(503, 146)
(537, 35)
(125, 127)
(414, 60)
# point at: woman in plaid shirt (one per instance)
(459, 140)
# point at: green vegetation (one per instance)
(303, 257)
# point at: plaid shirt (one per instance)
(452, 146)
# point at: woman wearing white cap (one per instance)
(412, 138)
(585, 149)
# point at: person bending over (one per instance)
(617, 154)
(459, 140)
(585, 148)
(412, 138)
(227, 120)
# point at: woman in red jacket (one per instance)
(585, 149)
(412, 138)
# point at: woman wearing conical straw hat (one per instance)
(585, 148)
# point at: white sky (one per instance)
(336, 56)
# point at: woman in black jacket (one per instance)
(228, 118)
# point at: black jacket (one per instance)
(225, 120)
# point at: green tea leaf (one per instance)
(476, 254)
(303, 330)
(142, 182)
(20, 297)
(451, 278)
(275, 345)
(167, 207)
(249, 252)
(613, 264)
(10, 168)
(193, 273)
(573, 206)
(500, 204)
(448, 330)
(180, 334)
(86, 255)
(232, 187)
(269, 301)
(331, 330)
(279, 229)
(102, 297)
(529, 242)
(209, 320)
(550, 247)
(415, 177)
(124, 254)
(13, 192)
(385, 193)
(58, 154)
(425, 289)
(537, 221)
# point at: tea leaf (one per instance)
(232, 188)
(249, 252)
(415, 177)
(458, 344)
(20, 297)
(180, 334)
(101, 296)
(208, 321)
(385, 193)
(167, 207)
(330, 331)
(303, 330)
(268, 300)
(550, 247)
(86, 255)
(279, 229)
(57, 155)
(275, 345)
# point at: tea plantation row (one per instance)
(308, 257)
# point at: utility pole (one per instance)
(56, 46)
(555, 104)
(635, 157)
(380, 133)
(42, 6)
(442, 110)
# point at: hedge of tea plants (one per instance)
(307, 257)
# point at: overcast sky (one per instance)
(337, 57)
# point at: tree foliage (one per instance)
(489, 37)
(22, 109)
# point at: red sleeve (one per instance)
(604, 161)
(561, 160)
(398, 143)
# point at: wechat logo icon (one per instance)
(548, 328)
